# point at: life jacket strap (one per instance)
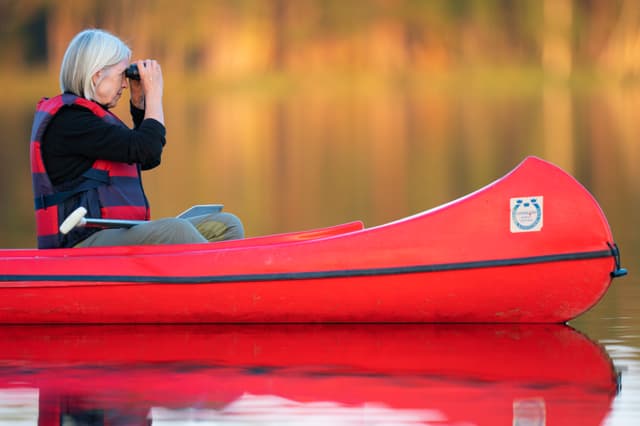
(94, 179)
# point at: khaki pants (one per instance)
(199, 229)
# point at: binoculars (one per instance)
(132, 72)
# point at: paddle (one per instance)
(77, 218)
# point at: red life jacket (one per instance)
(107, 190)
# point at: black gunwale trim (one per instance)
(283, 276)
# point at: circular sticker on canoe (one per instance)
(526, 214)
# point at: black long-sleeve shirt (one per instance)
(76, 137)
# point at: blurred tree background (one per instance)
(302, 113)
(232, 39)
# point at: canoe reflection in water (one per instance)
(303, 374)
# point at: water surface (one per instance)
(305, 374)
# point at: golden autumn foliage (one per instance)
(231, 38)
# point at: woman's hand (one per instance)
(148, 91)
(150, 77)
(137, 93)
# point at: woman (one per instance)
(83, 155)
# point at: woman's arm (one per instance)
(76, 138)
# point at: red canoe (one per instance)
(533, 246)
(497, 374)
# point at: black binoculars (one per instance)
(132, 72)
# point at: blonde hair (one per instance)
(89, 52)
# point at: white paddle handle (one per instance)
(76, 218)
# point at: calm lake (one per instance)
(309, 157)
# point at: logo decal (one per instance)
(526, 214)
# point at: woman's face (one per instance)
(110, 82)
